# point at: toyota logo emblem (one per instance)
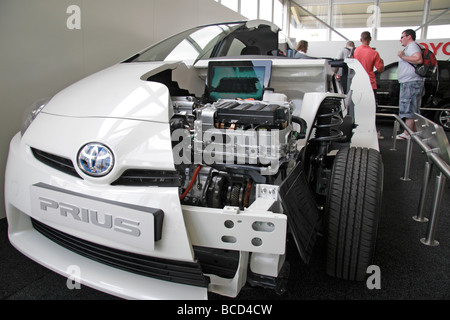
(95, 159)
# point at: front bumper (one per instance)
(183, 228)
(24, 171)
(93, 274)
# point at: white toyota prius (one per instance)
(183, 169)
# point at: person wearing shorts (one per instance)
(411, 84)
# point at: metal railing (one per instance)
(433, 141)
(395, 108)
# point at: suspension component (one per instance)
(328, 120)
(327, 130)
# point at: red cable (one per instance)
(191, 183)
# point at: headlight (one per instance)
(31, 113)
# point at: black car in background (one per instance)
(435, 103)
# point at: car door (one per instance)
(388, 86)
(443, 91)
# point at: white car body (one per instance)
(120, 109)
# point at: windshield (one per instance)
(193, 44)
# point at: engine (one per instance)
(223, 149)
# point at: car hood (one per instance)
(120, 91)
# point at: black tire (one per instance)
(442, 118)
(352, 212)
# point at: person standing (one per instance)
(344, 53)
(369, 59)
(347, 51)
(302, 48)
(411, 84)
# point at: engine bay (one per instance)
(234, 137)
(227, 146)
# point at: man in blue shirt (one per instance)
(411, 84)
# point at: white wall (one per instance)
(39, 55)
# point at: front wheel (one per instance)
(352, 212)
(443, 118)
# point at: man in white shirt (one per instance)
(411, 84)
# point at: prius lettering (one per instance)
(65, 209)
(44, 204)
(103, 220)
(127, 226)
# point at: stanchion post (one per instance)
(423, 196)
(408, 160)
(429, 238)
(394, 136)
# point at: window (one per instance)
(389, 74)
(265, 9)
(184, 50)
(439, 28)
(196, 43)
(249, 9)
(444, 71)
(205, 35)
(278, 13)
(352, 19)
(396, 16)
(394, 33)
(235, 48)
(384, 19)
(306, 27)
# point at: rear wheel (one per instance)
(443, 118)
(352, 212)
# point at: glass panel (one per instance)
(183, 51)
(394, 33)
(351, 33)
(249, 9)
(204, 36)
(444, 71)
(265, 9)
(352, 19)
(352, 15)
(439, 28)
(389, 74)
(235, 48)
(396, 16)
(438, 32)
(195, 43)
(277, 13)
(438, 7)
(401, 13)
(306, 27)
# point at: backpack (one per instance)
(429, 64)
(352, 52)
(349, 52)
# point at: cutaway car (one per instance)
(184, 169)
